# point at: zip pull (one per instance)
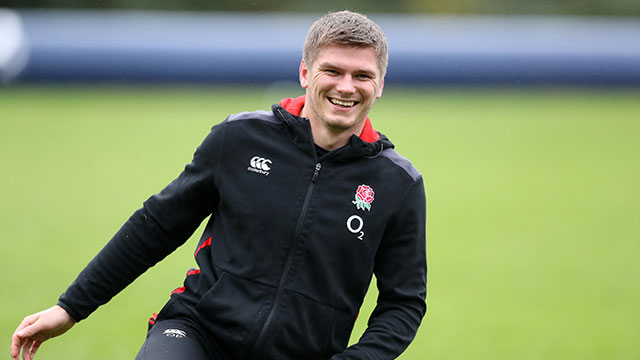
(316, 173)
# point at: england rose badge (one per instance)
(364, 197)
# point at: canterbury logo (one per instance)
(259, 165)
(174, 333)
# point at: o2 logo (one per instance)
(355, 225)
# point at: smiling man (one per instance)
(307, 203)
(342, 82)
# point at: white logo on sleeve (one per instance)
(259, 165)
(174, 333)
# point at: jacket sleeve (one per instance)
(401, 273)
(165, 222)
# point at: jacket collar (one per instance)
(294, 107)
(370, 143)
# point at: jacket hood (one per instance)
(368, 143)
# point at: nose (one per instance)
(346, 85)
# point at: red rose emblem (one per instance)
(365, 193)
(364, 197)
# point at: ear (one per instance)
(379, 94)
(304, 75)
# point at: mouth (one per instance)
(343, 103)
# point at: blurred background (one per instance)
(523, 117)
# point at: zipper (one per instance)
(287, 266)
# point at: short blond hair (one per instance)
(346, 28)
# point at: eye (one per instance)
(363, 76)
(331, 71)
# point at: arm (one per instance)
(401, 270)
(165, 222)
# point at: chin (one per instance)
(338, 125)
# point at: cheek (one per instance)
(371, 91)
(376, 89)
(318, 81)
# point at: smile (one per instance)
(342, 103)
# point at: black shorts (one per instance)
(177, 339)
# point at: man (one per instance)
(307, 202)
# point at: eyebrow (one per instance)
(325, 65)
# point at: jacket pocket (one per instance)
(307, 329)
(341, 331)
(231, 311)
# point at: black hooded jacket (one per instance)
(291, 246)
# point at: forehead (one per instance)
(348, 57)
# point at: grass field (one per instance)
(533, 210)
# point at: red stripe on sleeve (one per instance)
(178, 290)
(193, 272)
(181, 289)
(152, 319)
(203, 245)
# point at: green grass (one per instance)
(533, 210)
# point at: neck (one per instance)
(325, 137)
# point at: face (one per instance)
(341, 86)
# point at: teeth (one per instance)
(343, 103)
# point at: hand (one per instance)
(37, 328)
